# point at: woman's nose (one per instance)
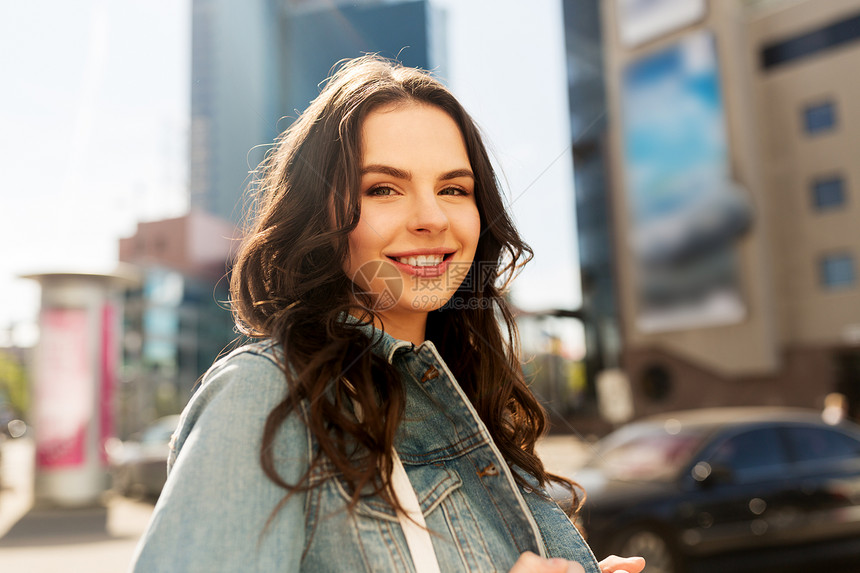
(428, 214)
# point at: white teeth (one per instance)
(421, 260)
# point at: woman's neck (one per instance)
(411, 327)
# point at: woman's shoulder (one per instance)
(250, 376)
(257, 364)
(236, 395)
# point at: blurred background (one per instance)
(685, 171)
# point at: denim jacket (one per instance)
(215, 505)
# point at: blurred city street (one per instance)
(102, 540)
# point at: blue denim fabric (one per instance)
(215, 505)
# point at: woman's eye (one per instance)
(380, 191)
(453, 191)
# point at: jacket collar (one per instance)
(382, 344)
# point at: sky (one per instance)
(94, 133)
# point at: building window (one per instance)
(811, 43)
(819, 117)
(837, 271)
(828, 193)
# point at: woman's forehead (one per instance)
(410, 136)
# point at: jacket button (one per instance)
(490, 470)
(431, 373)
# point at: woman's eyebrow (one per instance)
(456, 174)
(386, 170)
(406, 175)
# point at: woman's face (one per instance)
(419, 225)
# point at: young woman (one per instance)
(381, 422)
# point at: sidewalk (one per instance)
(102, 539)
(91, 540)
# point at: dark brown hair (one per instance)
(288, 283)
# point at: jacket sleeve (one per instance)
(213, 511)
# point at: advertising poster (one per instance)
(63, 389)
(685, 211)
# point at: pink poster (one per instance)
(64, 388)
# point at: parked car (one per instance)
(728, 489)
(139, 464)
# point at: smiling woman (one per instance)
(381, 421)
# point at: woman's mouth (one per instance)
(423, 265)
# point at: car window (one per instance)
(819, 444)
(645, 453)
(752, 455)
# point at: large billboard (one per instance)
(686, 212)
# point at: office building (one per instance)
(725, 189)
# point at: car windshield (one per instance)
(645, 452)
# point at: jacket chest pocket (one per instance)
(370, 538)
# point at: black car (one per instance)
(728, 489)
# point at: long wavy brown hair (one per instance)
(288, 284)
